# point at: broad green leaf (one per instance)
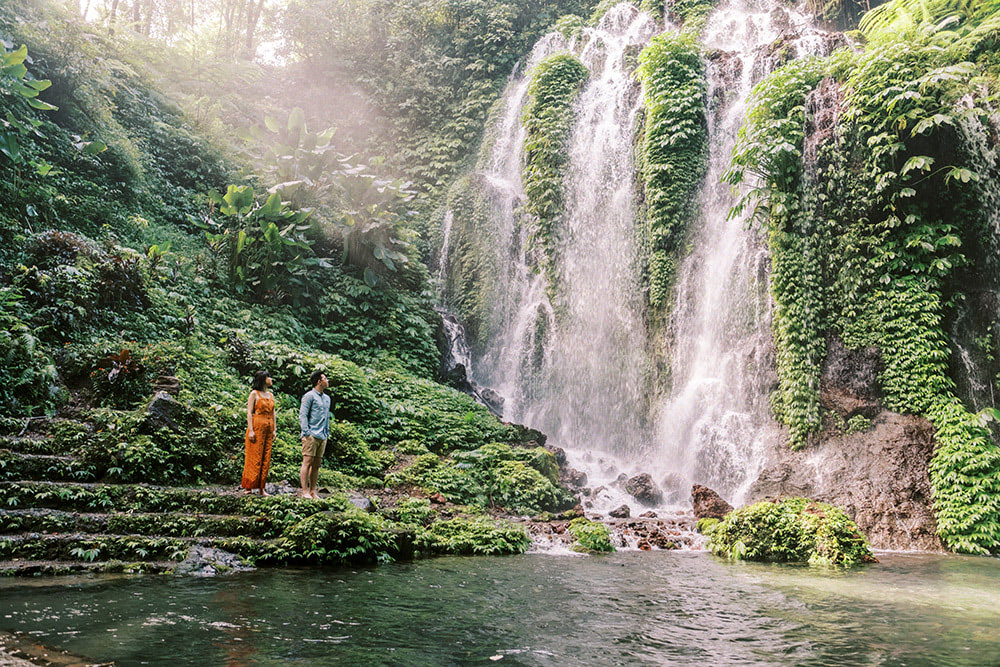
(44, 106)
(17, 57)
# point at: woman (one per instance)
(260, 434)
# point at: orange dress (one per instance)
(257, 459)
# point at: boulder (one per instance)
(167, 383)
(205, 561)
(708, 504)
(572, 477)
(673, 486)
(879, 476)
(361, 502)
(648, 515)
(644, 489)
(622, 512)
(165, 411)
(559, 453)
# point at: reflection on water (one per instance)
(628, 608)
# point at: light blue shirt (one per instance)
(314, 415)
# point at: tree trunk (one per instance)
(111, 18)
(148, 24)
(252, 20)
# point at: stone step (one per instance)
(169, 524)
(45, 467)
(37, 568)
(89, 547)
(35, 444)
(146, 498)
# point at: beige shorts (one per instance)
(313, 446)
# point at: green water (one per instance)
(627, 608)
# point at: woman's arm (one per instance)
(251, 402)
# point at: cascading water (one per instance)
(578, 368)
(713, 425)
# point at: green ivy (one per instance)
(870, 236)
(673, 152)
(548, 120)
(793, 530)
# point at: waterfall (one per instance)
(713, 426)
(576, 364)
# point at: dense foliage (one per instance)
(590, 536)
(548, 119)
(794, 530)
(429, 70)
(673, 151)
(876, 223)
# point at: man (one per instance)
(314, 420)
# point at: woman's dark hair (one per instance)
(314, 378)
(260, 380)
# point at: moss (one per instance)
(673, 152)
(707, 525)
(794, 530)
(590, 536)
(548, 120)
(495, 475)
(480, 536)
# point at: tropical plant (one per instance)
(259, 256)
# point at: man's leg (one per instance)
(305, 475)
(314, 476)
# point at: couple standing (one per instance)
(314, 423)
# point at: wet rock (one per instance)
(164, 411)
(574, 513)
(644, 489)
(598, 490)
(648, 515)
(361, 502)
(572, 477)
(622, 512)
(673, 486)
(205, 561)
(621, 479)
(708, 504)
(849, 383)
(167, 383)
(492, 400)
(559, 453)
(878, 476)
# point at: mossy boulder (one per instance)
(494, 475)
(590, 536)
(346, 536)
(793, 530)
(480, 536)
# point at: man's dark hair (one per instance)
(260, 380)
(314, 378)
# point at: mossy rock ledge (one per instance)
(791, 530)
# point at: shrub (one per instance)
(790, 531)
(412, 510)
(347, 451)
(28, 377)
(494, 475)
(590, 536)
(347, 536)
(480, 536)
